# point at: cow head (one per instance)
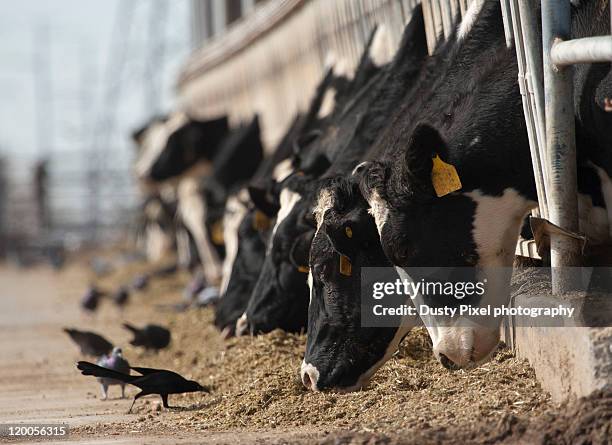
(185, 144)
(340, 352)
(422, 225)
(250, 251)
(280, 297)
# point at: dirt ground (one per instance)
(256, 394)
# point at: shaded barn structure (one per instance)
(269, 60)
(265, 58)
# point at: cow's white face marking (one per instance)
(288, 199)
(497, 223)
(192, 209)
(157, 242)
(341, 69)
(310, 286)
(313, 374)
(381, 51)
(154, 142)
(235, 210)
(324, 203)
(282, 170)
(182, 246)
(328, 103)
(379, 210)
(469, 19)
(241, 325)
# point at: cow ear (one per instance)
(424, 144)
(317, 166)
(300, 251)
(304, 140)
(263, 200)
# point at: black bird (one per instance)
(121, 297)
(90, 300)
(90, 343)
(149, 337)
(152, 381)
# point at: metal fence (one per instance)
(65, 201)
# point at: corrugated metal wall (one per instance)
(272, 62)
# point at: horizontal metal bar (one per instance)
(527, 248)
(587, 50)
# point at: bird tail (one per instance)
(98, 371)
(135, 332)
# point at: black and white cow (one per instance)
(247, 227)
(246, 230)
(157, 230)
(182, 151)
(280, 298)
(471, 117)
(238, 159)
(189, 146)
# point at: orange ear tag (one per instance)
(217, 233)
(444, 177)
(349, 232)
(303, 269)
(346, 267)
(261, 221)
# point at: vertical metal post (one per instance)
(528, 84)
(561, 147)
(506, 17)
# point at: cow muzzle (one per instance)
(242, 325)
(465, 347)
(310, 376)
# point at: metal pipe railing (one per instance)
(535, 133)
(561, 147)
(508, 29)
(586, 50)
(535, 85)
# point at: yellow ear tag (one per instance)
(261, 221)
(303, 269)
(444, 177)
(217, 233)
(349, 232)
(346, 267)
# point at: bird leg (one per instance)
(132, 405)
(123, 391)
(104, 392)
(164, 398)
(137, 396)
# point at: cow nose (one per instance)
(310, 376)
(242, 325)
(448, 363)
(307, 381)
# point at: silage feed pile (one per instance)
(255, 386)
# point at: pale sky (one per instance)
(79, 48)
